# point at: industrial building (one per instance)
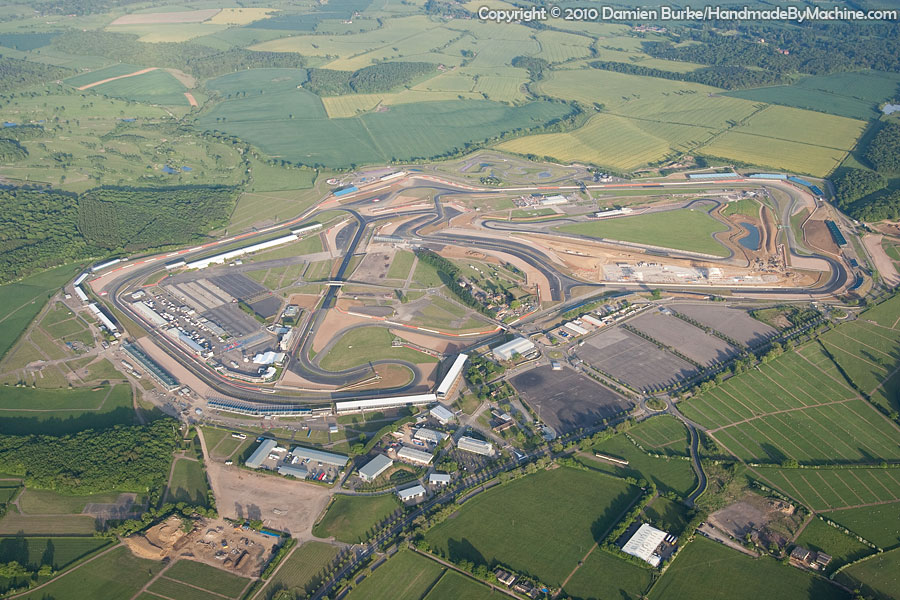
(320, 456)
(298, 471)
(517, 346)
(430, 435)
(554, 200)
(616, 212)
(382, 403)
(439, 479)
(449, 382)
(414, 456)
(470, 444)
(644, 544)
(81, 278)
(442, 414)
(202, 263)
(375, 467)
(575, 328)
(416, 491)
(592, 320)
(262, 451)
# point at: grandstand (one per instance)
(836, 234)
(712, 176)
(165, 378)
(258, 410)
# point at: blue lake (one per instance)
(751, 240)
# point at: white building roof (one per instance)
(269, 357)
(644, 543)
(430, 435)
(518, 345)
(477, 446)
(378, 403)
(329, 458)
(575, 328)
(221, 258)
(413, 455)
(411, 492)
(375, 467)
(260, 454)
(297, 471)
(439, 478)
(148, 313)
(452, 375)
(441, 413)
(592, 320)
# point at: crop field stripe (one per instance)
(890, 493)
(822, 488)
(751, 393)
(877, 419)
(838, 350)
(772, 433)
(851, 472)
(733, 436)
(738, 395)
(839, 332)
(805, 370)
(793, 428)
(811, 400)
(789, 484)
(794, 425)
(693, 411)
(862, 435)
(817, 414)
(723, 402)
(846, 488)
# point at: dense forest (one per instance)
(534, 66)
(16, 73)
(853, 184)
(45, 228)
(879, 208)
(884, 150)
(11, 150)
(79, 7)
(201, 61)
(815, 48)
(124, 458)
(379, 78)
(38, 230)
(136, 218)
(727, 77)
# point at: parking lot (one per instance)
(567, 400)
(691, 341)
(733, 322)
(634, 360)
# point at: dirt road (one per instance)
(107, 80)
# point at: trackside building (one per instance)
(319, 456)
(350, 406)
(470, 444)
(452, 377)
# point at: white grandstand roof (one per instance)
(644, 543)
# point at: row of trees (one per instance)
(816, 48)
(374, 79)
(449, 275)
(729, 77)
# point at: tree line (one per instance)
(15, 73)
(728, 77)
(373, 79)
(449, 276)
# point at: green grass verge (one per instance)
(351, 519)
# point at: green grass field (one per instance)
(207, 577)
(49, 411)
(115, 575)
(58, 552)
(101, 74)
(400, 266)
(826, 489)
(405, 576)
(726, 574)
(681, 229)
(46, 502)
(293, 125)
(877, 577)
(822, 537)
(20, 302)
(188, 483)
(304, 568)
(605, 576)
(507, 523)
(868, 351)
(360, 346)
(879, 524)
(153, 87)
(854, 95)
(456, 585)
(826, 423)
(350, 519)
(669, 474)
